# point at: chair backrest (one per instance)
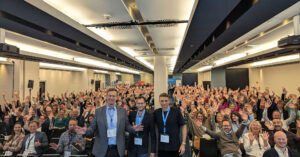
(209, 148)
(51, 155)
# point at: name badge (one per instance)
(111, 132)
(164, 138)
(67, 153)
(6, 138)
(8, 153)
(138, 141)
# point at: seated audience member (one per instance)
(6, 127)
(255, 142)
(34, 143)
(61, 122)
(293, 140)
(280, 149)
(14, 142)
(278, 115)
(70, 143)
(227, 139)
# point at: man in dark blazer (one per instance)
(280, 148)
(34, 143)
(138, 142)
(109, 124)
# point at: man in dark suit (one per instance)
(109, 124)
(138, 142)
(280, 148)
(34, 143)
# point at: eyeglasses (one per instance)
(140, 103)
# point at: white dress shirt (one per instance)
(257, 149)
(281, 153)
(30, 147)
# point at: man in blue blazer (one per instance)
(34, 143)
(109, 124)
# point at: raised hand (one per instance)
(244, 115)
(251, 137)
(81, 130)
(54, 146)
(267, 104)
(298, 123)
(269, 126)
(138, 127)
(265, 136)
(37, 143)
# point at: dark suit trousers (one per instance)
(168, 154)
(112, 152)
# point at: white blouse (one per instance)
(256, 149)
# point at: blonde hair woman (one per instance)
(255, 141)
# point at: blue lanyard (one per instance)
(258, 142)
(30, 141)
(138, 119)
(111, 113)
(165, 118)
(14, 140)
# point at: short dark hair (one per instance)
(73, 119)
(34, 121)
(164, 95)
(112, 90)
(140, 97)
(226, 120)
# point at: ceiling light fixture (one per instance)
(2, 59)
(101, 71)
(145, 62)
(58, 66)
(38, 50)
(118, 73)
(276, 60)
(205, 68)
(128, 51)
(230, 58)
(101, 32)
(104, 65)
(263, 47)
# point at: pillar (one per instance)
(2, 35)
(296, 21)
(160, 79)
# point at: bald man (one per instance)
(280, 149)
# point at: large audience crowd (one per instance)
(243, 122)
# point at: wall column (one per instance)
(296, 21)
(160, 78)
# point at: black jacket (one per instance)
(149, 130)
(273, 153)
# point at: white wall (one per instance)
(6, 81)
(276, 77)
(127, 78)
(148, 78)
(204, 76)
(59, 81)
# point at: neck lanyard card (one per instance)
(112, 131)
(138, 140)
(164, 138)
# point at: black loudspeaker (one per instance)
(30, 83)
(92, 81)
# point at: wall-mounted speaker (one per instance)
(30, 83)
(92, 81)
